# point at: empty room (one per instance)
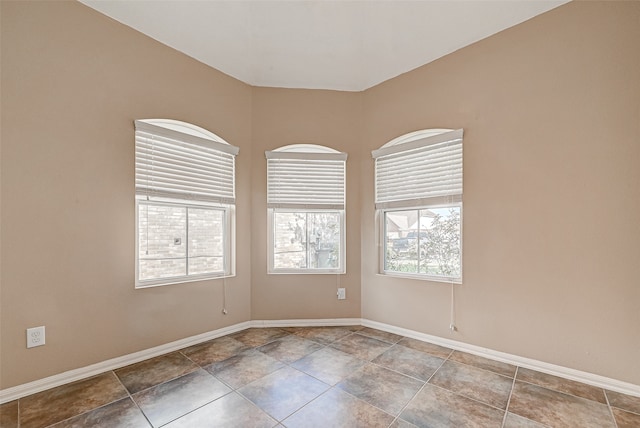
(312, 213)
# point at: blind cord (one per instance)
(224, 296)
(452, 324)
(147, 227)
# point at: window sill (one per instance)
(421, 277)
(179, 280)
(307, 272)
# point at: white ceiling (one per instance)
(341, 45)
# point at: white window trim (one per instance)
(408, 142)
(306, 152)
(320, 271)
(228, 238)
(192, 134)
(382, 239)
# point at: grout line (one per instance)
(92, 409)
(367, 403)
(197, 408)
(135, 403)
(484, 370)
(463, 395)
(423, 386)
(548, 388)
(324, 345)
(506, 409)
(613, 416)
(305, 404)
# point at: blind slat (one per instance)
(427, 170)
(297, 182)
(188, 169)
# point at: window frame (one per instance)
(382, 233)
(276, 203)
(182, 134)
(417, 141)
(228, 237)
(271, 269)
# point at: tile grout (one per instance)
(506, 409)
(327, 344)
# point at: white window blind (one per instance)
(174, 164)
(419, 170)
(306, 180)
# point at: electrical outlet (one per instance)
(342, 293)
(35, 336)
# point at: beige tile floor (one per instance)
(322, 377)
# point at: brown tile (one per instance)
(244, 368)
(57, 404)
(230, 411)
(255, 337)
(429, 348)
(484, 363)
(562, 385)
(336, 408)
(9, 414)
(409, 361)
(289, 348)
(214, 350)
(329, 365)
(168, 401)
(380, 335)
(123, 413)
(624, 401)
(361, 347)
(383, 388)
(514, 421)
(482, 385)
(557, 409)
(435, 407)
(154, 371)
(626, 419)
(323, 335)
(400, 423)
(283, 392)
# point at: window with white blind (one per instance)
(418, 197)
(306, 206)
(185, 199)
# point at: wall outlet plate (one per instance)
(35, 336)
(342, 293)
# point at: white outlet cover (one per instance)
(342, 293)
(35, 336)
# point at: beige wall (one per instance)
(551, 113)
(329, 118)
(73, 81)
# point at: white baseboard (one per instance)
(330, 322)
(29, 388)
(552, 369)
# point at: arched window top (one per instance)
(416, 135)
(306, 151)
(305, 148)
(185, 128)
(417, 140)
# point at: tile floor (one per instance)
(322, 377)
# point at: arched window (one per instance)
(306, 202)
(185, 198)
(418, 196)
